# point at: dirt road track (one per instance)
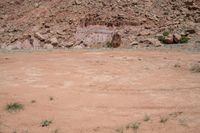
(100, 91)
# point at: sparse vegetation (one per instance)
(174, 39)
(184, 39)
(134, 126)
(161, 39)
(46, 123)
(163, 120)
(12, 107)
(165, 33)
(146, 118)
(109, 44)
(195, 68)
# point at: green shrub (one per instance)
(11, 107)
(161, 39)
(166, 33)
(184, 39)
(109, 44)
(134, 126)
(46, 123)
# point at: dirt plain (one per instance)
(100, 91)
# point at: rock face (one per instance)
(65, 21)
(116, 40)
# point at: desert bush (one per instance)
(161, 39)
(11, 107)
(109, 44)
(46, 123)
(165, 33)
(184, 39)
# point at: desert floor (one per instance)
(103, 91)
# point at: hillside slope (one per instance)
(66, 23)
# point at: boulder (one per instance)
(48, 46)
(36, 5)
(17, 45)
(39, 36)
(197, 20)
(155, 42)
(77, 2)
(78, 47)
(67, 44)
(177, 38)
(144, 33)
(190, 31)
(189, 2)
(116, 40)
(36, 43)
(3, 46)
(54, 41)
(169, 39)
(151, 42)
(134, 43)
(26, 44)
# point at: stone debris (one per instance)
(49, 22)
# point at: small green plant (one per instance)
(165, 33)
(161, 39)
(163, 120)
(184, 39)
(146, 118)
(195, 68)
(46, 123)
(51, 98)
(12, 107)
(109, 44)
(134, 126)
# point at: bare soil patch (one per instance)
(88, 91)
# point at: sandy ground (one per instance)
(100, 91)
